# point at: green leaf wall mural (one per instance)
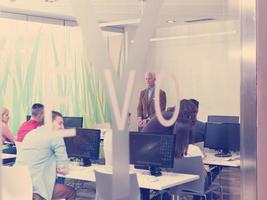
(27, 53)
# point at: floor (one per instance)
(230, 179)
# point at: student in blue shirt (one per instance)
(45, 155)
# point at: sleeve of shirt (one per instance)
(140, 106)
(163, 100)
(59, 148)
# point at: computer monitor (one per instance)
(85, 145)
(223, 119)
(69, 122)
(153, 150)
(224, 137)
(73, 122)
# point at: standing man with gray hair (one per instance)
(146, 105)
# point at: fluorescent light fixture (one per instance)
(179, 37)
(170, 21)
(121, 22)
(192, 36)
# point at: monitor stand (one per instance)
(155, 170)
(86, 162)
(141, 167)
(223, 154)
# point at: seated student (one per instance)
(183, 131)
(155, 126)
(36, 120)
(5, 131)
(45, 155)
(199, 128)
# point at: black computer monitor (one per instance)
(73, 122)
(224, 137)
(223, 119)
(153, 150)
(85, 145)
(69, 122)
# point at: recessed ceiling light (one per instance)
(170, 21)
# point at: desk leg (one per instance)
(221, 187)
(145, 194)
(175, 197)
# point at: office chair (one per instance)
(104, 127)
(19, 148)
(104, 182)
(108, 147)
(192, 165)
(16, 183)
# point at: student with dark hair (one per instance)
(37, 119)
(155, 126)
(194, 101)
(183, 130)
(45, 155)
(184, 147)
(199, 128)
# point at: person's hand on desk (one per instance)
(142, 123)
(63, 170)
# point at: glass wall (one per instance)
(194, 49)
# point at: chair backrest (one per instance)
(16, 183)
(104, 128)
(108, 147)
(106, 135)
(104, 189)
(191, 165)
(18, 148)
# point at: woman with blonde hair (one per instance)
(5, 131)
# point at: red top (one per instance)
(25, 128)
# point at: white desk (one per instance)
(7, 156)
(165, 181)
(211, 159)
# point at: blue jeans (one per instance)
(60, 180)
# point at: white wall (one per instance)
(205, 60)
